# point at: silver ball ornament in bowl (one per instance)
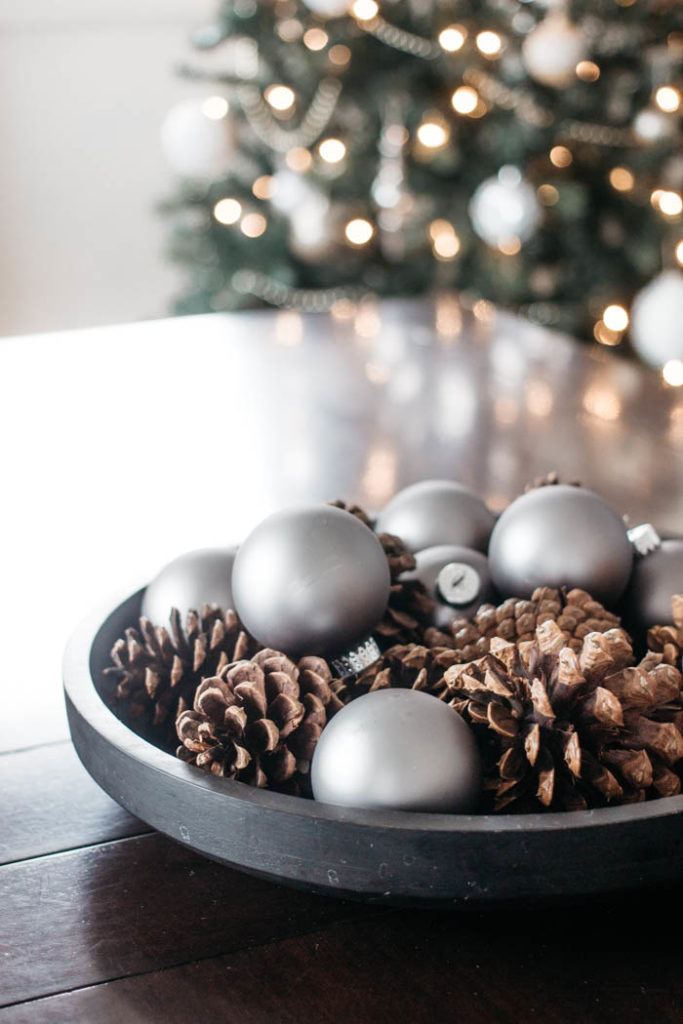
(311, 580)
(655, 579)
(190, 581)
(457, 579)
(437, 512)
(560, 536)
(400, 750)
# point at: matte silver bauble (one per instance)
(504, 209)
(437, 512)
(195, 578)
(400, 750)
(458, 579)
(654, 581)
(311, 580)
(560, 536)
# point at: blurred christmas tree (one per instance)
(526, 152)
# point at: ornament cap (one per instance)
(458, 584)
(355, 660)
(644, 539)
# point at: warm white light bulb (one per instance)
(253, 225)
(280, 97)
(215, 107)
(365, 10)
(359, 231)
(672, 372)
(668, 99)
(489, 43)
(669, 203)
(332, 151)
(452, 38)
(464, 100)
(679, 252)
(227, 211)
(432, 135)
(615, 317)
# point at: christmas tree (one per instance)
(526, 152)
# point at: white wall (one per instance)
(83, 88)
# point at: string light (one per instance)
(602, 402)
(359, 231)
(672, 372)
(263, 187)
(465, 100)
(227, 211)
(621, 179)
(432, 134)
(253, 225)
(668, 203)
(560, 156)
(510, 246)
(339, 55)
(215, 108)
(298, 159)
(606, 336)
(668, 99)
(365, 10)
(452, 38)
(445, 242)
(290, 30)
(332, 151)
(615, 317)
(547, 194)
(489, 43)
(679, 252)
(587, 71)
(280, 97)
(316, 39)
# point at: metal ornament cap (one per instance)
(561, 536)
(644, 538)
(398, 750)
(437, 512)
(189, 581)
(312, 579)
(354, 661)
(456, 578)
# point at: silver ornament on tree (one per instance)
(328, 8)
(400, 750)
(657, 575)
(656, 318)
(560, 536)
(437, 512)
(552, 50)
(313, 580)
(190, 581)
(197, 137)
(504, 208)
(457, 579)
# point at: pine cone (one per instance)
(576, 614)
(157, 672)
(566, 730)
(668, 640)
(258, 721)
(408, 667)
(410, 608)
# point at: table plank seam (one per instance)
(236, 951)
(36, 746)
(73, 849)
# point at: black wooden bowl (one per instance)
(395, 856)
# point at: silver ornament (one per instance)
(197, 139)
(656, 577)
(437, 512)
(397, 750)
(456, 578)
(656, 317)
(328, 8)
(560, 536)
(553, 49)
(505, 209)
(195, 578)
(311, 580)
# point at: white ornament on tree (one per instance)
(505, 208)
(553, 49)
(328, 8)
(197, 137)
(656, 318)
(652, 126)
(306, 209)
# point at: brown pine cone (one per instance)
(157, 672)
(575, 612)
(563, 730)
(258, 721)
(410, 608)
(407, 666)
(668, 640)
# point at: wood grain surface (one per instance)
(167, 436)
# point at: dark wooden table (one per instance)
(122, 447)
